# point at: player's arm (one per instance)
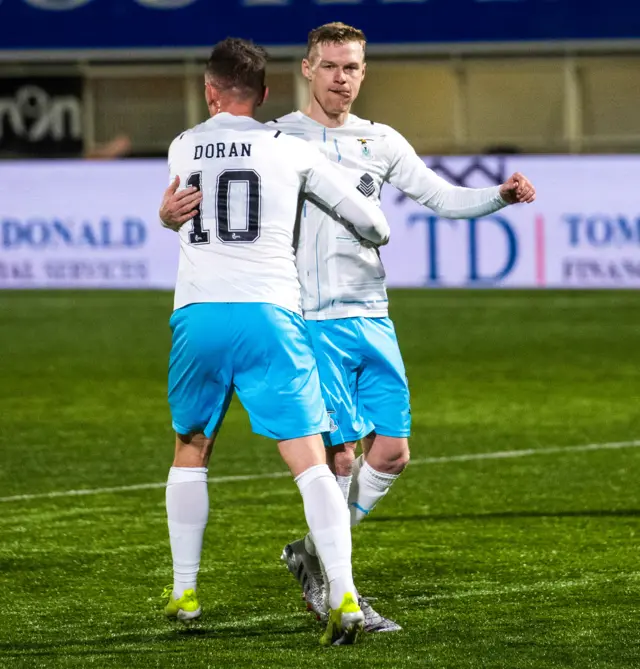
(178, 206)
(325, 185)
(410, 175)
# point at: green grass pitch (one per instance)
(505, 562)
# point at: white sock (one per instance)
(344, 482)
(354, 488)
(309, 545)
(187, 513)
(372, 486)
(328, 520)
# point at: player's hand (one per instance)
(363, 242)
(179, 207)
(518, 189)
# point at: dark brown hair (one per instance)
(238, 65)
(334, 33)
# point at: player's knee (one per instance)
(391, 454)
(344, 464)
(396, 462)
(192, 450)
(343, 459)
(404, 456)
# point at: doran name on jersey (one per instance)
(222, 150)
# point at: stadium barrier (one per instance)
(72, 224)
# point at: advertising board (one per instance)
(95, 225)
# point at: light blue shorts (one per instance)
(261, 351)
(363, 379)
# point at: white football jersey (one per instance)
(240, 246)
(340, 276)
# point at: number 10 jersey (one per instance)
(240, 245)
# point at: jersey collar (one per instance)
(351, 119)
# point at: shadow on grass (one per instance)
(111, 645)
(507, 515)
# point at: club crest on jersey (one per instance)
(366, 149)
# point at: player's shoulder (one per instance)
(374, 129)
(386, 142)
(290, 131)
(176, 141)
(297, 148)
(287, 119)
(263, 131)
(190, 133)
(294, 124)
(208, 132)
(185, 139)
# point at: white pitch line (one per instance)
(541, 586)
(464, 457)
(498, 455)
(138, 486)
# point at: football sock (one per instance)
(310, 547)
(345, 483)
(187, 500)
(354, 488)
(370, 488)
(328, 520)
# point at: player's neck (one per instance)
(316, 113)
(234, 109)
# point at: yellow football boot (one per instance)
(345, 623)
(185, 608)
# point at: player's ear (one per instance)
(213, 99)
(306, 69)
(208, 93)
(265, 96)
(364, 69)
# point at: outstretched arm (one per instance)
(410, 175)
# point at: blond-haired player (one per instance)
(343, 284)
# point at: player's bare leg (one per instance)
(187, 500)
(340, 460)
(328, 521)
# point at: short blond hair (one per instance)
(334, 33)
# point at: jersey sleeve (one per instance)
(325, 186)
(409, 174)
(320, 179)
(174, 159)
(175, 149)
